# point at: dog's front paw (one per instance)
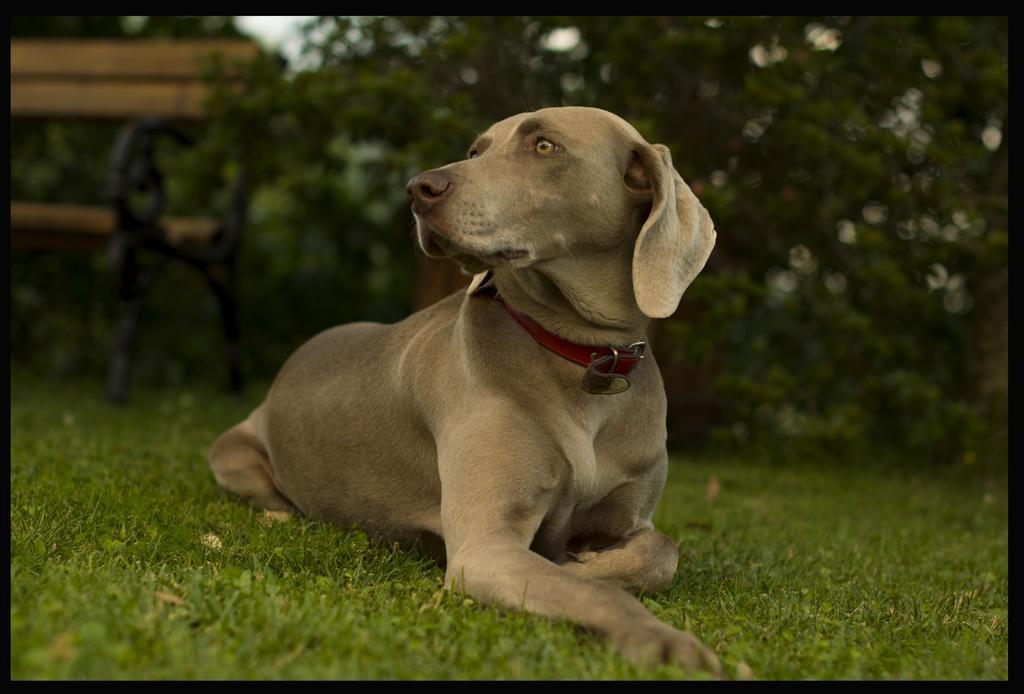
(652, 644)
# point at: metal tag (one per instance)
(598, 383)
(607, 382)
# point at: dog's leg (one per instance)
(494, 500)
(507, 574)
(645, 562)
(239, 463)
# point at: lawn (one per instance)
(127, 561)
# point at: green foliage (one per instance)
(855, 167)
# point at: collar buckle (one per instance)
(607, 382)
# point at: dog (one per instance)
(516, 430)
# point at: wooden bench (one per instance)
(152, 85)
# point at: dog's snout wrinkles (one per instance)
(430, 188)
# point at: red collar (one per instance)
(612, 359)
(607, 367)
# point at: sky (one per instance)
(281, 33)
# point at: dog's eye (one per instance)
(545, 146)
(473, 154)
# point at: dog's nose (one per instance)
(430, 188)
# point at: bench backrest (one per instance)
(118, 79)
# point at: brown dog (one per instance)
(458, 428)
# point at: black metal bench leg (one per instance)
(224, 288)
(124, 341)
(130, 296)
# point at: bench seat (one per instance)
(84, 227)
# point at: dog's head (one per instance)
(564, 183)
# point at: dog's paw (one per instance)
(653, 644)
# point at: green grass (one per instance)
(803, 570)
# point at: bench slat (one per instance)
(120, 100)
(41, 225)
(128, 58)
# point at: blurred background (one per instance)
(855, 168)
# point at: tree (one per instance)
(855, 168)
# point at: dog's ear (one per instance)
(675, 240)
